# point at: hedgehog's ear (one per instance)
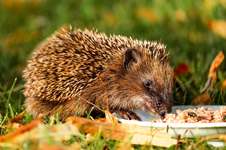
(131, 57)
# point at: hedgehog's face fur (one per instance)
(144, 82)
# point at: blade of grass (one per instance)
(88, 114)
(78, 109)
(11, 111)
(7, 111)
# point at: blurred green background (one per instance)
(194, 32)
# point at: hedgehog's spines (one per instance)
(70, 28)
(65, 31)
(75, 59)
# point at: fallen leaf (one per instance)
(100, 120)
(218, 27)
(223, 85)
(203, 99)
(123, 132)
(212, 78)
(40, 134)
(181, 69)
(20, 131)
(15, 122)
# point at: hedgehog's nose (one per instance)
(163, 113)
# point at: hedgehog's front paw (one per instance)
(129, 115)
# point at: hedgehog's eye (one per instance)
(147, 84)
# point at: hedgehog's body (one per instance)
(68, 66)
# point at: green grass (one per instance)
(25, 23)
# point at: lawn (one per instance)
(194, 32)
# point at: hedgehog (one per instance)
(74, 70)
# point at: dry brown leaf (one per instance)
(39, 133)
(203, 99)
(42, 134)
(17, 118)
(223, 85)
(215, 64)
(218, 27)
(100, 120)
(20, 131)
(15, 122)
(212, 78)
(123, 132)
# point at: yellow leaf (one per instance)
(123, 132)
(20, 131)
(212, 72)
(203, 99)
(218, 27)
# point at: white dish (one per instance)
(194, 129)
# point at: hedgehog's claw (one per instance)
(128, 115)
